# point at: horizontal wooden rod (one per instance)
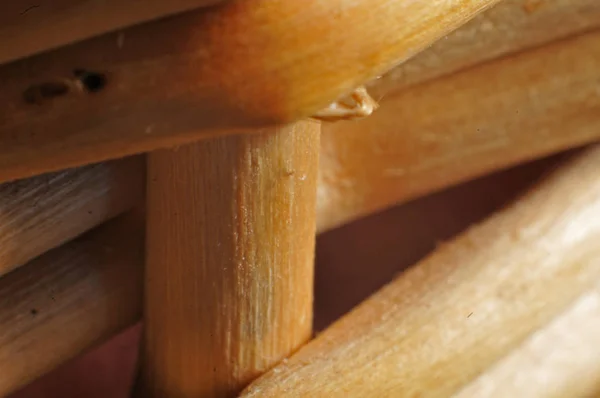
(43, 212)
(509, 27)
(69, 300)
(459, 127)
(560, 360)
(243, 65)
(456, 313)
(28, 27)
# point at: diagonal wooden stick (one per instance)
(559, 360)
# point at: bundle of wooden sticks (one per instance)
(177, 163)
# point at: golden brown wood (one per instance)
(560, 360)
(460, 310)
(459, 127)
(509, 27)
(28, 27)
(68, 300)
(243, 65)
(230, 248)
(43, 212)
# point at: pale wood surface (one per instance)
(461, 309)
(40, 213)
(69, 299)
(509, 27)
(459, 127)
(230, 249)
(561, 360)
(242, 65)
(30, 26)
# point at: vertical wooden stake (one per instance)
(229, 274)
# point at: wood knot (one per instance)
(81, 82)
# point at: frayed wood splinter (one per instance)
(359, 104)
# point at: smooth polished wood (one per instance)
(28, 27)
(510, 27)
(240, 66)
(69, 300)
(459, 311)
(43, 212)
(459, 127)
(230, 250)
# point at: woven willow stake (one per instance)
(230, 247)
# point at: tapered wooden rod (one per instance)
(460, 127)
(43, 212)
(68, 300)
(243, 65)
(459, 311)
(560, 360)
(28, 27)
(511, 26)
(230, 248)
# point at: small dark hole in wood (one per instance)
(40, 92)
(91, 81)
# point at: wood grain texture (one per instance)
(28, 27)
(43, 212)
(459, 127)
(453, 315)
(509, 27)
(235, 67)
(230, 249)
(69, 299)
(559, 360)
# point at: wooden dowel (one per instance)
(68, 300)
(229, 273)
(443, 322)
(511, 26)
(460, 127)
(43, 212)
(560, 360)
(28, 27)
(243, 65)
